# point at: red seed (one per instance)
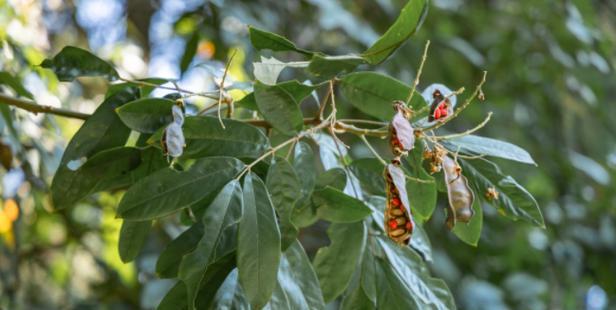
(437, 114)
(393, 224)
(444, 112)
(395, 202)
(409, 225)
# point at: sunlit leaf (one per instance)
(336, 263)
(102, 130)
(410, 19)
(258, 244)
(477, 145)
(338, 207)
(373, 93)
(146, 115)
(221, 216)
(263, 40)
(169, 190)
(132, 237)
(72, 62)
(513, 200)
(279, 108)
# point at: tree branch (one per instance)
(36, 108)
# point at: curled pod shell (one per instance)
(402, 136)
(398, 219)
(442, 103)
(461, 196)
(174, 140)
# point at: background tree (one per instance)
(550, 80)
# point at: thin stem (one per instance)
(275, 149)
(467, 132)
(374, 152)
(343, 127)
(211, 95)
(421, 65)
(221, 88)
(36, 108)
(363, 121)
(466, 103)
(324, 103)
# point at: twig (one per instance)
(418, 180)
(211, 95)
(363, 121)
(374, 152)
(421, 65)
(467, 132)
(36, 108)
(319, 116)
(275, 149)
(221, 88)
(466, 103)
(343, 127)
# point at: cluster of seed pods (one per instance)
(398, 219)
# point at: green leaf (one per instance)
(304, 164)
(146, 115)
(205, 137)
(335, 177)
(336, 263)
(97, 173)
(421, 243)
(471, 231)
(263, 40)
(406, 274)
(169, 260)
(422, 195)
(213, 278)
(258, 253)
(74, 62)
(132, 237)
(326, 67)
(14, 83)
(230, 294)
(190, 50)
(335, 206)
(369, 171)
(279, 108)
(101, 131)
(169, 190)
(514, 201)
(297, 286)
(296, 89)
(221, 216)
(476, 145)
(410, 19)
(373, 93)
(175, 299)
(284, 186)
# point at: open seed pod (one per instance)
(398, 220)
(441, 105)
(402, 137)
(461, 196)
(173, 141)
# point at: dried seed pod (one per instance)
(173, 138)
(402, 137)
(398, 220)
(491, 194)
(442, 105)
(461, 196)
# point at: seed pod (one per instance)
(402, 137)
(173, 138)
(398, 220)
(441, 105)
(461, 197)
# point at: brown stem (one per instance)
(36, 108)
